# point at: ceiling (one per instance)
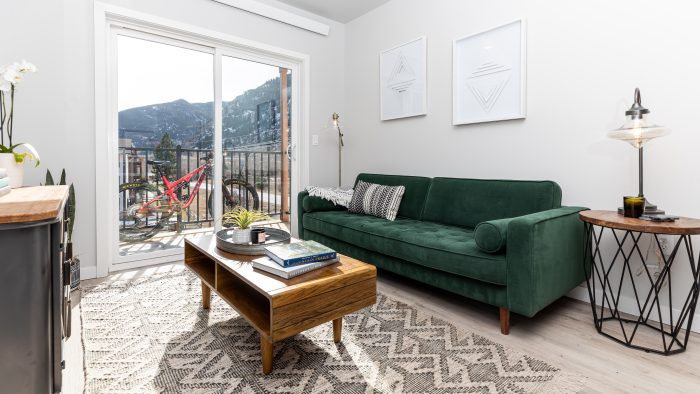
(339, 10)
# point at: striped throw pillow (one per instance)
(376, 200)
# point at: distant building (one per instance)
(126, 143)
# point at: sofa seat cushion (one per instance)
(441, 247)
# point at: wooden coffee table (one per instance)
(280, 308)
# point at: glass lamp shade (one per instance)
(637, 131)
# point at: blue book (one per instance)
(4, 190)
(296, 253)
(4, 182)
(268, 265)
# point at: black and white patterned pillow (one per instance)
(376, 200)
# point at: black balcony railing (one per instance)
(258, 166)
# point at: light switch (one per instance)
(314, 139)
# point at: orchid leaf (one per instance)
(32, 155)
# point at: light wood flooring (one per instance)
(562, 334)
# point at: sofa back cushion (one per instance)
(468, 202)
(414, 195)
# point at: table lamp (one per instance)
(336, 125)
(637, 130)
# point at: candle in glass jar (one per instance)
(633, 206)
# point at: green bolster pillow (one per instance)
(490, 236)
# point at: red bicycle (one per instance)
(144, 209)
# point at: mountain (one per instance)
(251, 118)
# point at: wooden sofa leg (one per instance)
(505, 320)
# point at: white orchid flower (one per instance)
(12, 74)
(26, 67)
(5, 86)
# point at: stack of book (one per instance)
(290, 260)
(4, 182)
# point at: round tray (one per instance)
(274, 237)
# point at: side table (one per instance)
(650, 292)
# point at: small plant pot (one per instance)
(74, 273)
(239, 236)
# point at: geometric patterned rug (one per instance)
(150, 335)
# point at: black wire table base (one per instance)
(605, 295)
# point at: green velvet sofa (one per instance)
(506, 243)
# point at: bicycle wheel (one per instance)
(237, 192)
(136, 223)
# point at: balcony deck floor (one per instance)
(171, 240)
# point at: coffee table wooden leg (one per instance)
(337, 329)
(266, 352)
(206, 296)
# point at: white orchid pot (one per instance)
(15, 171)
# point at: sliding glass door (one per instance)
(256, 98)
(165, 95)
(182, 109)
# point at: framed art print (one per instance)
(402, 79)
(489, 75)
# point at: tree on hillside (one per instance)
(165, 151)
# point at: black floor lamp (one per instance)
(637, 130)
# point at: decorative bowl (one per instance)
(275, 236)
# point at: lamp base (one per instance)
(649, 209)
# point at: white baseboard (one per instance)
(628, 305)
(89, 272)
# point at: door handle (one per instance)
(67, 310)
(291, 151)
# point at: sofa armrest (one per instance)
(544, 258)
(308, 204)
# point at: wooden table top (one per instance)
(611, 219)
(32, 204)
(334, 275)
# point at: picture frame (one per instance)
(403, 80)
(489, 75)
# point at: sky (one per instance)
(152, 73)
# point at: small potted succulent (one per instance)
(242, 220)
(10, 157)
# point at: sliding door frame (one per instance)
(110, 21)
(173, 254)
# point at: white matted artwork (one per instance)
(488, 75)
(402, 79)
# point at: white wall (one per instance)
(584, 60)
(55, 107)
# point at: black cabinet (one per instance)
(34, 305)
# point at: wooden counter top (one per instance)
(32, 204)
